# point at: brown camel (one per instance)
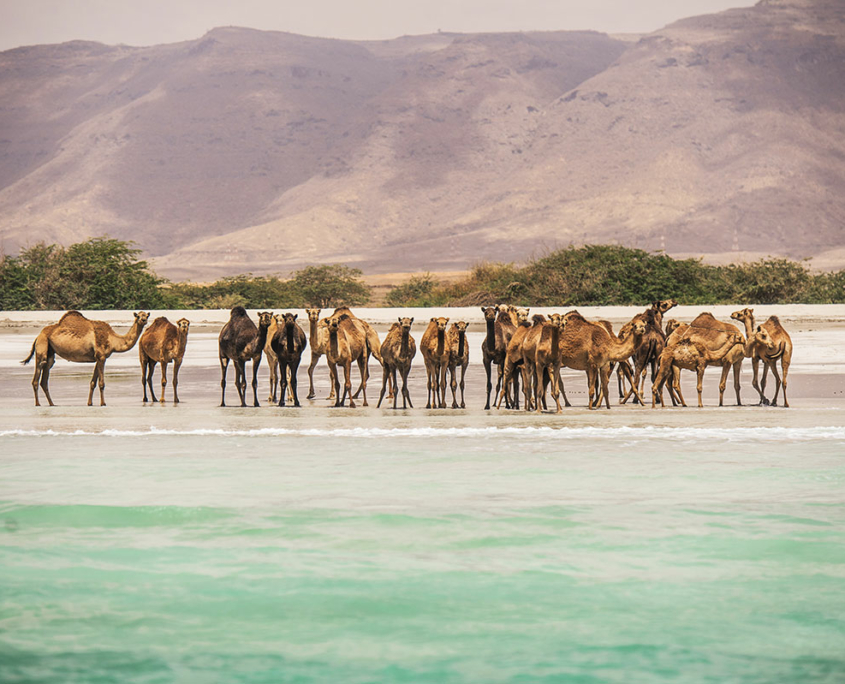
(781, 349)
(693, 355)
(318, 337)
(514, 365)
(241, 341)
(288, 343)
(272, 361)
(501, 325)
(589, 347)
(652, 346)
(713, 334)
(458, 356)
(435, 353)
(543, 343)
(80, 340)
(397, 353)
(162, 343)
(347, 344)
(373, 346)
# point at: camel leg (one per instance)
(500, 397)
(384, 379)
(755, 380)
(777, 382)
(763, 380)
(177, 364)
(43, 362)
(292, 384)
(311, 392)
(335, 384)
(224, 366)
(93, 383)
(98, 378)
(364, 377)
(604, 376)
(283, 382)
(591, 384)
(240, 380)
(363, 363)
(737, 370)
(428, 381)
(256, 362)
(163, 365)
(723, 383)
(488, 370)
(144, 375)
(676, 385)
(347, 384)
(453, 384)
(274, 377)
(539, 372)
(36, 378)
(151, 366)
(555, 378)
(463, 384)
(700, 383)
(784, 368)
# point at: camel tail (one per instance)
(31, 354)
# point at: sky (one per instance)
(151, 22)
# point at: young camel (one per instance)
(162, 343)
(514, 362)
(80, 340)
(781, 349)
(318, 337)
(397, 353)
(544, 341)
(288, 343)
(240, 341)
(346, 344)
(693, 355)
(502, 322)
(458, 356)
(435, 353)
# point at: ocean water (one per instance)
(196, 544)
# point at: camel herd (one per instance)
(525, 351)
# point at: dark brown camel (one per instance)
(241, 341)
(500, 329)
(288, 344)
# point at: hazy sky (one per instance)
(149, 22)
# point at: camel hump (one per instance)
(160, 322)
(238, 312)
(774, 319)
(71, 314)
(706, 320)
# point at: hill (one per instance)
(260, 151)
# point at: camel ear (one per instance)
(412, 319)
(399, 318)
(433, 319)
(294, 316)
(484, 310)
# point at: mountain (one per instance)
(246, 150)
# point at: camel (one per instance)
(514, 362)
(318, 337)
(712, 334)
(691, 354)
(458, 356)
(781, 349)
(162, 343)
(80, 340)
(589, 347)
(240, 341)
(501, 325)
(544, 341)
(288, 343)
(272, 361)
(435, 354)
(397, 353)
(346, 344)
(649, 351)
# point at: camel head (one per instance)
(405, 323)
(663, 305)
(762, 336)
(288, 320)
(182, 325)
(637, 328)
(742, 315)
(557, 320)
(521, 315)
(441, 324)
(461, 326)
(265, 318)
(537, 319)
(489, 313)
(142, 317)
(333, 323)
(313, 314)
(672, 325)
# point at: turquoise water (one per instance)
(209, 546)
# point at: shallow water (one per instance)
(217, 546)
(191, 543)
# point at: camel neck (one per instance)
(261, 340)
(182, 339)
(122, 343)
(555, 340)
(441, 341)
(313, 331)
(491, 335)
(406, 336)
(289, 335)
(333, 343)
(461, 343)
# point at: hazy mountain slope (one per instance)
(258, 151)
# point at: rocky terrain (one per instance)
(720, 135)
